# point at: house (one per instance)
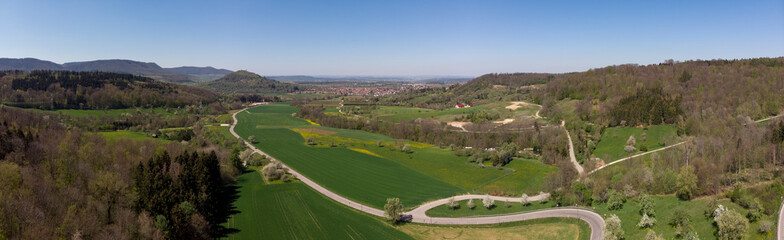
(459, 105)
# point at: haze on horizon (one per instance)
(392, 38)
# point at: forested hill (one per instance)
(147, 69)
(94, 90)
(713, 90)
(248, 82)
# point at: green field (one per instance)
(116, 135)
(529, 177)
(357, 176)
(610, 147)
(480, 210)
(396, 113)
(665, 206)
(294, 211)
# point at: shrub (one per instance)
(488, 202)
(765, 226)
(629, 149)
(452, 204)
(470, 204)
(646, 222)
(612, 228)
(616, 200)
(731, 225)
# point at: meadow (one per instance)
(480, 210)
(294, 211)
(610, 147)
(140, 136)
(528, 178)
(665, 207)
(355, 175)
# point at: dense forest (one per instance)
(248, 82)
(94, 90)
(61, 182)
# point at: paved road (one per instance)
(780, 227)
(595, 221)
(577, 165)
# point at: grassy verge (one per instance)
(545, 228)
(499, 209)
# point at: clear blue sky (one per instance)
(392, 37)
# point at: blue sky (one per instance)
(466, 38)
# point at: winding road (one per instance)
(594, 220)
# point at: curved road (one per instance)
(418, 215)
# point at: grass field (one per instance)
(294, 211)
(610, 147)
(358, 176)
(665, 207)
(116, 135)
(544, 229)
(396, 113)
(480, 210)
(529, 177)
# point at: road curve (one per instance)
(594, 220)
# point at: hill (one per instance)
(150, 69)
(247, 82)
(27, 64)
(94, 90)
(200, 74)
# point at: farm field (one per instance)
(338, 168)
(433, 161)
(480, 210)
(294, 211)
(529, 177)
(610, 147)
(545, 229)
(665, 207)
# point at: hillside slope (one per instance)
(94, 90)
(150, 69)
(247, 82)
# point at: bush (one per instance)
(488, 202)
(731, 225)
(629, 149)
(470, 204)
(452, 204)
(616, 200)
(765, 226)
(612, 228)
(646, 222)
